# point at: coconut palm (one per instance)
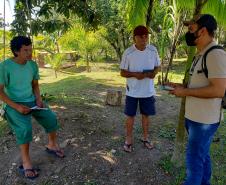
(137, 14)
(218, 9)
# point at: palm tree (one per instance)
(199, 6)
(137, 11)
(177, 16)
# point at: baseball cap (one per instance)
(140, 30)
(204, 20)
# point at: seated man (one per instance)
(19, 90)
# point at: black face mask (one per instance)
(191, 37)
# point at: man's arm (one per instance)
(154, 72)
(128, 74)
(35, 87)
(20, 108)
(140, 75)
(215, 89)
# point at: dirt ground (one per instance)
(92, 135)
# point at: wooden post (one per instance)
(114, 97)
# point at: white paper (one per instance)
(168, 88)
(38, 108)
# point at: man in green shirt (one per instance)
(19, 90)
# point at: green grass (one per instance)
(218, 156)
(176, 74)
(168, 131)
(170, 169)
(3, 127)
(75, 85)
(70, 83)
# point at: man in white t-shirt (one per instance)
(203, 98)
(140, 63)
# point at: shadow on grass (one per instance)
(73, 70)
(77, 89)
(171, 170)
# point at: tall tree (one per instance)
(137, 11)
(177, 16)
(113, 21)
(198, 6)
(43, 15)
(108, 14)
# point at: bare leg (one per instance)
(129, 132)
(129, 129)
(53, 143)
(24, 149)
(52, 140)
(145, 125)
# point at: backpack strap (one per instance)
(204, 66)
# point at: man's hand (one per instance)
(140, 76)
(179, 91)
(23, 109)
(174, 85)
(128, 74)
(39, 103)
(150, 75)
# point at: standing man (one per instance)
(140, 63)
(203, 98)
(19, 90)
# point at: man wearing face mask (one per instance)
(203, 98)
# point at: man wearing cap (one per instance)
(140, 63)
(203, 98)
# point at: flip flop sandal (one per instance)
(23, 172)
(127, 147)
(56, 153)
(145, 143)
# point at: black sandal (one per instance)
(25, 172)
(127, 147)
(146, 143)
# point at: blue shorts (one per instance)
(146, 105)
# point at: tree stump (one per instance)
(114, 97)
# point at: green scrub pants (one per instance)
(21, 123)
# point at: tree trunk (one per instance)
(148, 17)
(115, 45)
(172, 52)
(57, 47)
(87, 63)
(114, 97)
(176, 36)
(124, 39)
(55, 73)
(178, 154)
(117, 50)
(178, 149)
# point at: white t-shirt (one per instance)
(135, 60)
(205, 110)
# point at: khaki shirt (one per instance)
(205, 110)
